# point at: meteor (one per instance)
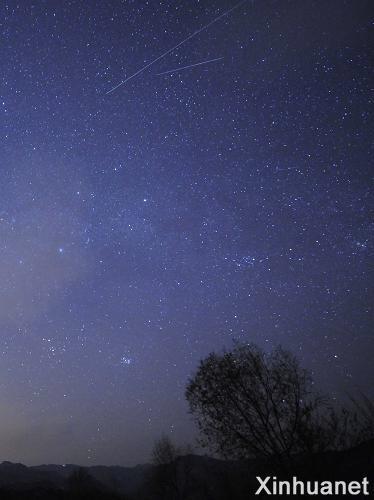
(189, 66)
(206, 26)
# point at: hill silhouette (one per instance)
(199, 477)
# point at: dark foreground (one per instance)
(188, 478)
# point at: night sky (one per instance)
(142, 228)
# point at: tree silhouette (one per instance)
(171, 476)
(164, 451)
(251, 404)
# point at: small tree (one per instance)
(171, 476)
(251, 404)
(164, 451)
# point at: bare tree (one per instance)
(171, 477)
(251, 404)
(164, 451)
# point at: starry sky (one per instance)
(143, 228)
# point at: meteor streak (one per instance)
(206, 26)
(189, 66)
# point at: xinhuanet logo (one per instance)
(271, 485)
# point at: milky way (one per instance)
(143, 229)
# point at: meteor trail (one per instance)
(189, 66)
(176, 46)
